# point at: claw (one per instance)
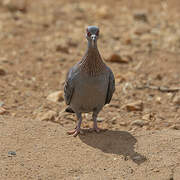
(75, 132)
(96, 129)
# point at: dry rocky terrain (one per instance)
(40, 40)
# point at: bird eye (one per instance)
(88, 33)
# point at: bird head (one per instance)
(92, 34)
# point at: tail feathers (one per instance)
(69, 110)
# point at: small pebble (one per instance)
(1, 103)
(176, 100)
(63, 49)
(103, 12)
(119, 59)
(48, 116)
(100, 119)
(158, 100)
(176, 127)
(56, 96)
(140, 123)
(77, 178)
(11, 153)
(140, 16)
(2, 110)
(137, 158)
(123, 124)
(135, 106)
(2, 71)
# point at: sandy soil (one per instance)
(40, 41)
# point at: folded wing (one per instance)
(111, 87)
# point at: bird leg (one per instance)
(77, 129)
(95, 126)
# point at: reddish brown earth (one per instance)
(39, 42)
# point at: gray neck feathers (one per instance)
(92, 62)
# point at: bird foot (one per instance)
(96, 129)
(75, 132)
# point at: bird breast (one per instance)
(89, 92)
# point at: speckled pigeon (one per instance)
(89, 84)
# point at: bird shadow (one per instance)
(114, 142)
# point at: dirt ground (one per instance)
(40, 40)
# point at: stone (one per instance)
(140, 123)
(135, 106)
(140, 30)
(146, 117)
(176, 127)
(63, 49)
(126, 58)
(114, 121)
(123, 124)
(176, 173)
(137, 158)
(48, 116)
(149, 116)
(114, 105)
(120, 78)
(103, 12)
(176, 100)
(56, 96)
(158, 100)
(72, 43)
(100, 119)
(2, 71)
(1, 103)
(11, 153)
(127, 40)
(146, 37)
(118, 59)
(14, 6)
(2, 110)
(140, 16)
(159, 77)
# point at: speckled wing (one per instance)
(68, 87)
(111, 87)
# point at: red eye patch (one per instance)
(97, 33)
(88, 33)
